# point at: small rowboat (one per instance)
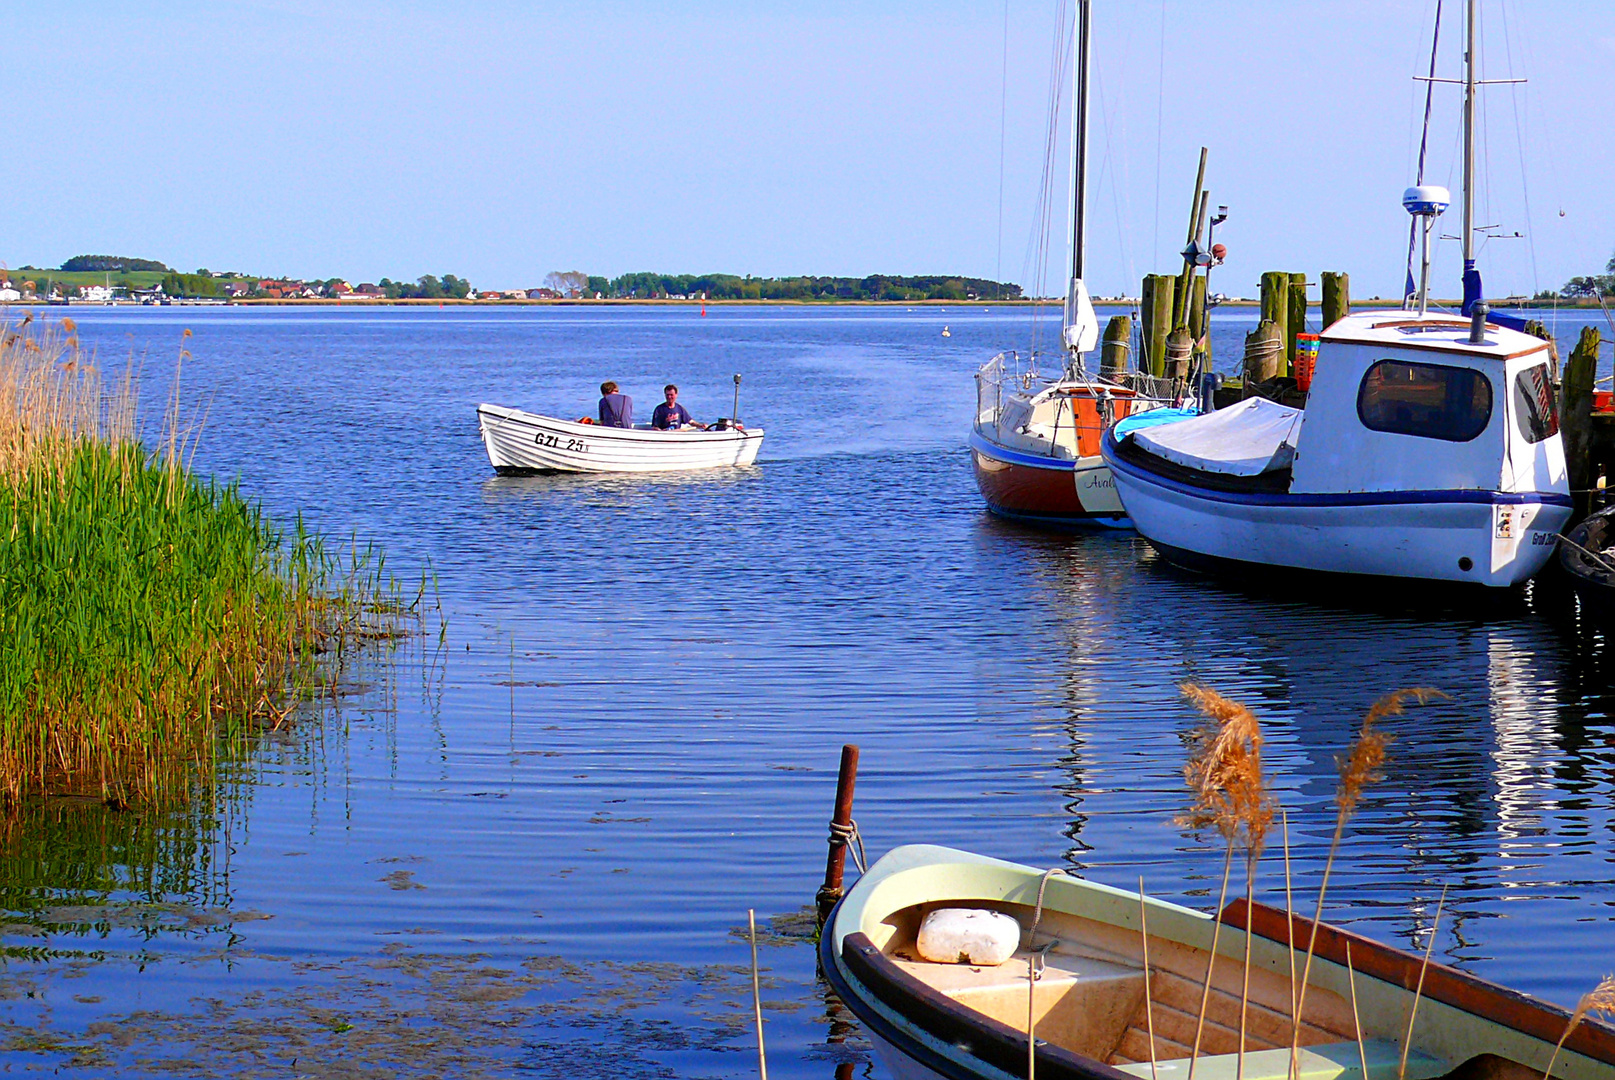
(1096, 1017)
(522, 442)
(1586, 557)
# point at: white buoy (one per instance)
(946, 332)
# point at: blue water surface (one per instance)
(524, 840)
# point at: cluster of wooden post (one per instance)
(1173, 332)
(1270, 348)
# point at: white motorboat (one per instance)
(524, 442)
(1422, 453)
(1429, 447)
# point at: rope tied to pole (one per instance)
(849, 837)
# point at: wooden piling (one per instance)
(1179, 353)
(1197, 215)
(1200, 323)
(1297, 323)
(1159, 292)
(1336, 297)
(1575, 418)
(1118, 341)
(835, 864)
(1264, 353)
(1275, 310)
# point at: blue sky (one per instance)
(502, 141)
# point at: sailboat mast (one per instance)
(1079, 143)
(1469, 140)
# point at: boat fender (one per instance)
(968, 936)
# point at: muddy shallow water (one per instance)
(526, 844)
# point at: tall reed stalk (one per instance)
(1225, 775)
(1359, 768)
(144, 614)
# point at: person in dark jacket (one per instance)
(616, 409)
(670, 415)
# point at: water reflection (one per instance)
(1481, 789)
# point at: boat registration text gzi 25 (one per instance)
(523, 442)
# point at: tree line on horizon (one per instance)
(1588, 285)
(651, 286)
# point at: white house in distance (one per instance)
(7, 293)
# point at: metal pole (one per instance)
(734, 414)
(1079, 138)
(835, 863)
(1424, 266)
(1469, 140)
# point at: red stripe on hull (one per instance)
(1026, 491)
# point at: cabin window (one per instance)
(1535, 409)
(1432, 401)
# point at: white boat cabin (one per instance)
(1403, 403)
(1399, 403)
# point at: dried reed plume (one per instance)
(1600, 999)
(1225, 774)
(1359, 768)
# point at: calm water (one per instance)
(525, 844)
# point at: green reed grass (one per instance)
(146, 616)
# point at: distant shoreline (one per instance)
(1579, 302)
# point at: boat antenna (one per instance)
(1424, 144)
(734, 413)
(1081, 330)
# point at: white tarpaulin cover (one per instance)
(1242, 440)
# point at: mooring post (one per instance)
(1276, 310)
(1297, 320)
(1118, 339)
(1161, 289)
(1336, 297)
(840, 833)
(1575, 419)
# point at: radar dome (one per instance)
(1426, 199)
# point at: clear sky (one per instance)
(500, 141)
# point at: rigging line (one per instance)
(1519, 142)
(1003, 114)
(1040, 240)
(1424, 137)
(1115, 197)
(1160, 121)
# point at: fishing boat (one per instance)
(1428, 448)
(521, 442)
(1118, 989)
(1035, 444)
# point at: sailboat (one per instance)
(1035, 444)
(1428, 448)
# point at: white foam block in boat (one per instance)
(968, 935)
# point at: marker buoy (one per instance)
(946, 332)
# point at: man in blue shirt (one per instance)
(616, 409)
(670, 415)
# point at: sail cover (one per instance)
(1246, 439)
